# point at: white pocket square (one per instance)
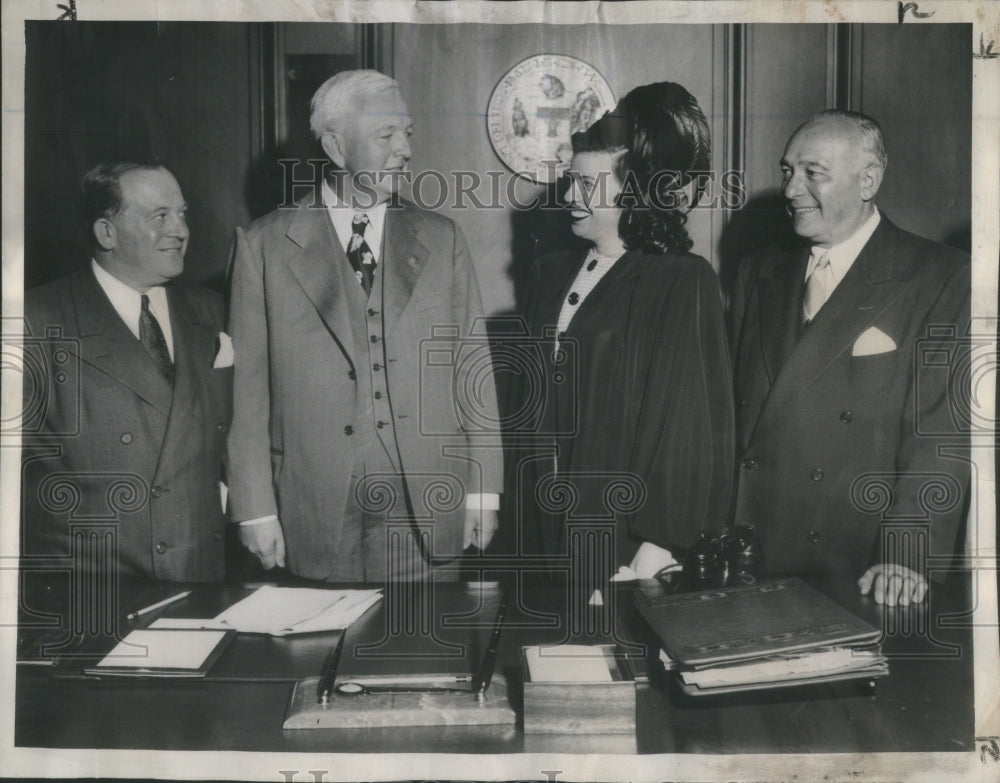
(224, 356)
(873, 341)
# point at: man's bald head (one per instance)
(862, 131)
(831, 170)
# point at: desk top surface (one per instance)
(925, 704)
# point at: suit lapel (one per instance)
(318, 267)
(193, 353)
(780, 304)
(404, 257)
(870, 286)
(108, 344)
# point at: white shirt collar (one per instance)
(128, 303)
(342, 216)
(843, 255)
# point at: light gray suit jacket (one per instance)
(292, 443)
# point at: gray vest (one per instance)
(373, 419)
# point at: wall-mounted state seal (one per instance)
(537, 106)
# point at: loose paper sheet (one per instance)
(279, 611)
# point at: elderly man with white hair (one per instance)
(354, 455)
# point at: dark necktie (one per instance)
(151, 337)
(359, 254)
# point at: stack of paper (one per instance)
(752, 637)
(280, 611)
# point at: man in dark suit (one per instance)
(853, 459)
(363, 395)
(127, 409)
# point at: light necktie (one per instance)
(151, 337)
(359, 254)
(819, 285)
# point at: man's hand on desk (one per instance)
(265, 541)
(892, 584)
(480, 525)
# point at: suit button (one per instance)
(352, 375)
(743, 403)
(348, 430)
(221, 427)
(374, 338)
(372, 313)
(161, 547)
(813, 537)
(845, 417)
(378, 395)
(816, 475)
(376, 367)
(156, 491)
(749, 463)
(380, 424)
(126, 438)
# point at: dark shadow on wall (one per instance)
(172, 91)
(535, 231)
(762, 222)
(73, 118)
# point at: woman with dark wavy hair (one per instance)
(635, 421)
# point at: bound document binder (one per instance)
(767, 635)
(163, 654)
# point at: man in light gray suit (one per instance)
(355, 456)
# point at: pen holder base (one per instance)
(397, 709)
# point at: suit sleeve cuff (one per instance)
(258, 520)
(482, 501)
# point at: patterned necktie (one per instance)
(151, 337)
(819, 285)
(359, 254)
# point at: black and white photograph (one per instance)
(553, 391)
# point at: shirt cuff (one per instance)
(482, 501)
(259, 520)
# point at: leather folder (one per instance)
(754, 623)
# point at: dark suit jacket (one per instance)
(834, 444)
(108, 444)
(292, 446)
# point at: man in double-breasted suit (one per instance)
(361, 446)
(848, 352)
(127, 397)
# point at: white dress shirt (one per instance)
(342, 216)
(843, 255)
(128, 303)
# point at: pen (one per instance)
(485, 676)
(132, 616)
(325, 687)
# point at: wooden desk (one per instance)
(926, 703)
